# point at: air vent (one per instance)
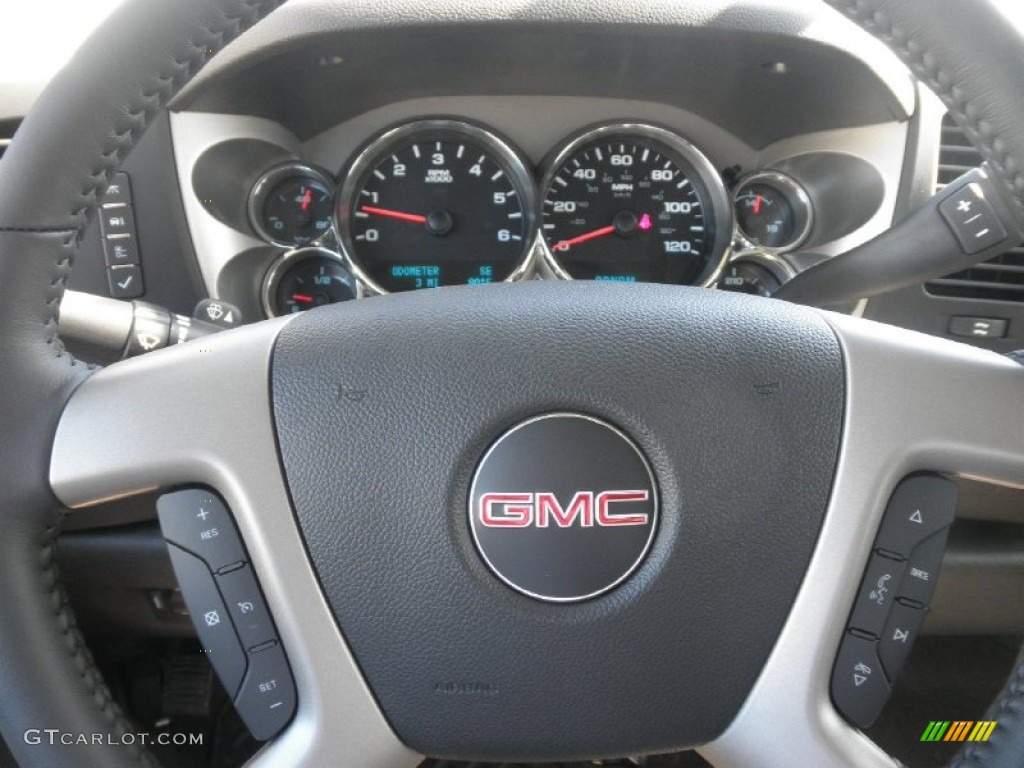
(7, 129)
(956, 154)
(998, 279)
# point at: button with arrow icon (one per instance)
(920, 506)
(859, 687)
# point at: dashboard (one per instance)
(795, 135)
(343, 157)
(622, 191)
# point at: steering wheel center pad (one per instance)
(737, 404)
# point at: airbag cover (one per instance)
(384, 409)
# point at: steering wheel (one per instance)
(765, 439)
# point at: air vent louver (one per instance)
(7, 129)
(998, 279)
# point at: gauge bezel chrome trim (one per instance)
(798, 200)
(272, 178)
(770, 260)
(284, 262)
(513, 162)
(781, 269)
(718, 196)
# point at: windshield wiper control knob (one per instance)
(126, 328)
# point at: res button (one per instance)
(198, 521)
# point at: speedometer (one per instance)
(434, 203)
(634, 203)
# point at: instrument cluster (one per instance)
(440, 202)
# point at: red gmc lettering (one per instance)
(607, 517)
(582, 505)
(522, 510)
(515, 510)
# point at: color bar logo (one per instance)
(958, 730)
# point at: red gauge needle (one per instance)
(565, 245)
(303, 298)
(413, 217)
(757, 204)
(307, 200)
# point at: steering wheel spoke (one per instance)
(914, 403)
(200, 414)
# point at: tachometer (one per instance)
(628, 203)
(437, 202)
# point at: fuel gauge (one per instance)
(773, 212)
(305, 279)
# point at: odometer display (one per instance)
(437, 203)
(634, 204)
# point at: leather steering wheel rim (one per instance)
(77, 135)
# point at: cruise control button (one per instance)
(877, 594)
(920, 506)
(266, 700)
(859, 687)
(899, 634)
(245, 603)
(198, 521)
(210, 618)
(923, 568)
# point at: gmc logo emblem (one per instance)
(522, 510)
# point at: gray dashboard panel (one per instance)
(799, 67)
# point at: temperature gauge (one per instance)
(773, 212)
(306, 279)
(292, 205)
